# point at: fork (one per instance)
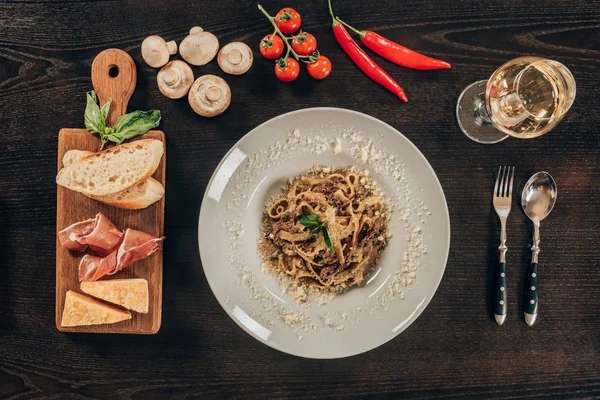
(502, 202)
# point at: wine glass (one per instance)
(524, 98)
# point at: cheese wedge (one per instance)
(83, 310)
(129, 293)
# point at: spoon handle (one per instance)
(530, 305)
(530, 299)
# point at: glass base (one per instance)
(473, 118)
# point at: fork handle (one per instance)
(500, 302)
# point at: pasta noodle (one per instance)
(352, 217)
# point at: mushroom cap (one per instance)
(175, 79)
(235, 58)
(209, 96)
(199, 48)
(156, 51)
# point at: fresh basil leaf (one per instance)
(93, 116)
(104, 110)
(136, 123)
(316, 230)
(309, 220)
(94, 96)
(328, 239)
(115, 138)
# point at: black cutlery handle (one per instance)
(530, 299)
(500, 294)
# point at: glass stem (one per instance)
(480, 113)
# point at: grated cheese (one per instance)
(406, 208)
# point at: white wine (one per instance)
(524, 98)
(528, 96)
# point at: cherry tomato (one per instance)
(304, 44)
(271, 46)
(319, 69)
(288, 73)
(288, 20)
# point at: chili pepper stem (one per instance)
(335, 22)
(353, 29)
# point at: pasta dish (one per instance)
(327, 229)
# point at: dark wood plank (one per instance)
(454, 349)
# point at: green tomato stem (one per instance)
(286, 39)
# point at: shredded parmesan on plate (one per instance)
(405, 207)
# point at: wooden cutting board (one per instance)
(113, 76)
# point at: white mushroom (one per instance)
(209, 96)
(235, 58)
(156, 51)
(175, 79)
(199, 47)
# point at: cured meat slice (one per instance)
(98, 233)
(105, 237)
(135, 246)
(92, 268)
(70, 237)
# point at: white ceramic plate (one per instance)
(404, 280)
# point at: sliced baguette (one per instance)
(113, 170)
(141, 195)
(136, 197)
(129, 293)
(82, 310)
(73, 156)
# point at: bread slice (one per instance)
(82, 310)
(129, 293)
(141, 195)
(73, 156)
(113, 170)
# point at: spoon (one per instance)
(537, 200)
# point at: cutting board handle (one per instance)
(114, 76)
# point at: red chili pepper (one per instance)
(363, 61)
(397, 53)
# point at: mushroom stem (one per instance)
(172, 77)
(213, 93)
(172, 46)
(196, 29)
(234, 57)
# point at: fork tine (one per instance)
(512, 179)
(497, 180)
(502, 182)
(506, 178)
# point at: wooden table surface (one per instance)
(454, 349)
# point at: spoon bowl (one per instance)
(539, 196)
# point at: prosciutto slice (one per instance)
(136, 245)
(92, 268)
(71, 237)
(98, 233)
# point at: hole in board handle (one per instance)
(113, 71)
